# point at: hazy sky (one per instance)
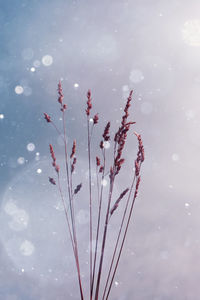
(110, 47)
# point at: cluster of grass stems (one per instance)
(103, 168)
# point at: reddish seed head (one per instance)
(73, 149)
(106, 132)
(52, 181)
(57, 168)
(52, 152)
(101, 169)
(47, 117)
(140, 154)
(89, 103)
(137, 169)
(60, 92)
(96, 119)
(137, 187)
(101, 145)
(118, 200)
(97, 161)
(77, 189)
(73, 165)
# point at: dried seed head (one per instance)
(73, 165)
(101, 145)
(137, 187)
(73, 149)
(118, 200)
(89, 103)
(77, 189)
(97, 161)
(47, 117)
(105, 135)
(60, 92)
(96, 119)
(101, 169)
(128, 103)
(140, 154)
(57, 168)
(52, 152)
(52, 180)
(137, 168)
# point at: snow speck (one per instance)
(22, 270)
(39, 171)
(190, 114)
(27, 248)
(20, 220)
(175, 157)
(106, 144)
(47, 60)
(10, 208)
(104, 182)
(21, 160)
(136, 76)
(19, 90)
(191, 32)
(76, 85)
(1, 116)
(187, 205)
(32, 69)
(30, 147)
(125, 88)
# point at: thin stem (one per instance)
(72, 209)
(118, 237)
(122, 244)
(73, 246)
(90, 203)
(104, 237)
(99, 218)
(66, 214)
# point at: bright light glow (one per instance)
(32, 69)
(19, 90)
(104, 182)
(1, 116)
(136, 76)
(175, 157)
(39, 171)
(191, 32)
(27, 248)
(21, 160)
(47, 60)
(30, 147)
(76, 85)
(106, 144)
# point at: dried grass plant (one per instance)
(98, 227)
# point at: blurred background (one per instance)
(110, 47)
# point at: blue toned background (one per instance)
(111, 47)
